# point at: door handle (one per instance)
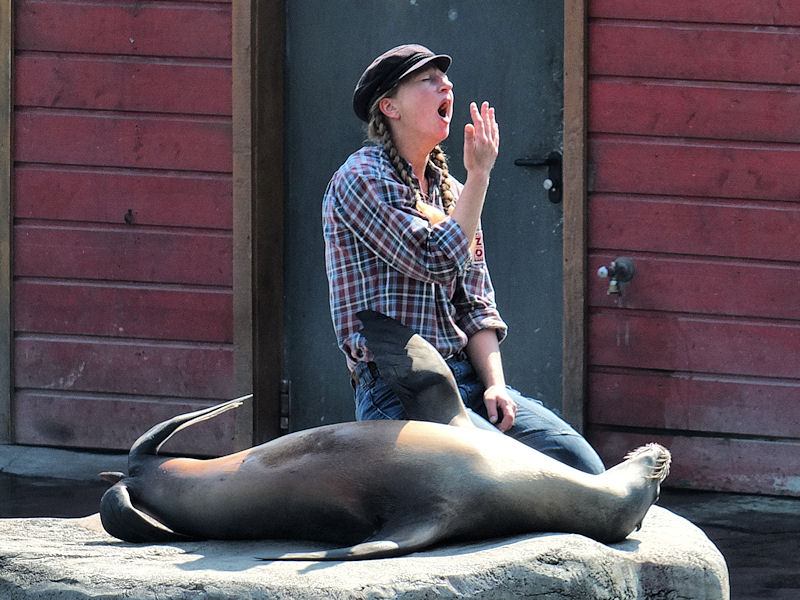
(553, 182)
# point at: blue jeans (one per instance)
(535, 425)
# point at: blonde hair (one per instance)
(378, 131)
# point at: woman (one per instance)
(403, 237)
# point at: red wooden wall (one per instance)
(122, 234)
(694, 150)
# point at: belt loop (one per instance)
(373, 369)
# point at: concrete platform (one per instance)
(46, 558)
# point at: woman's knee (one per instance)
(542, 429)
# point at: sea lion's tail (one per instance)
(150, 442)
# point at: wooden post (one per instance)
(258, 164)
(6, 221)
(575, 214)
(242, 217)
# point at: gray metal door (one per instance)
(507, 51)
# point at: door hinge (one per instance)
(286, 404)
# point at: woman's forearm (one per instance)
(483, 350)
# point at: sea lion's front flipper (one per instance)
(413, 368)
(123, 520)
(383, 545)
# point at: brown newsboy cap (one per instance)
(388, 69)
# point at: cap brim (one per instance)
(442, 61)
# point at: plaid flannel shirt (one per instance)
(382, 254)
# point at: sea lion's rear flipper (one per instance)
(153, 438)
(123, 520)
(383, 545)
(414, 369)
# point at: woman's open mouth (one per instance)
(444, 109)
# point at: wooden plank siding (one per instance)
(694, 155)
(122, 195)
(6, 218)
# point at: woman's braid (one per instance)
(439, 159)
(383, 135)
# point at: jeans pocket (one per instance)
(378, 401)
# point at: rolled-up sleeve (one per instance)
(474, 302)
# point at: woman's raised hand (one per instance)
(481, 140)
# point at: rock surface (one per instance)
(668, 559)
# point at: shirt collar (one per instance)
(433, 172)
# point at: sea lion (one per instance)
(376, 488)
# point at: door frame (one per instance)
(258, 46)
(575, 188)
(259, 55)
